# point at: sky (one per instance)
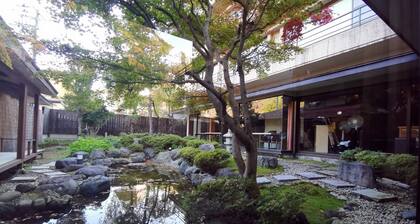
(24, 11)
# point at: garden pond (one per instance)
(146, 196)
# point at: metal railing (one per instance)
(347, 21)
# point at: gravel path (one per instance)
(362, 211)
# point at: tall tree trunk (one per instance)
(251, 162)
(150, 112)
(237, 155)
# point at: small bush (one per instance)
(90, 144)
(188, 153)
(126, 140)
(348, 155)
(371, 158)
(211, 161)
(222, 201)
(136, 147)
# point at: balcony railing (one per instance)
(342, 23)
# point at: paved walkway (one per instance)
(380, 210)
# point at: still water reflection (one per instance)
(135, 197)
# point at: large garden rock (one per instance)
(93, 170)
(95, 185)
(124, 152)
(57, 203)
(138, 157)
(63, 163)
(163, 157)
(149, 152)
(25, 187)
(191, 170)
(72, 167)
(24, 204)
(83, 154)
(114, 154)
(39, 204)
(267, 161)
(120, 161)
(175, 154)
(206, 147)
(7, 210)
(60, 185)
(97, 154)
(183, 166)
(357, 173)
(225, 172)
(102, 162)
(199, 178)
(9, 196)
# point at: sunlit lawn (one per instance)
(261, 171)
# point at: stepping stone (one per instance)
(337, 183)
(24, 179)
(285, 178)
(43, 171)
(43, 167)
(263, 180)
(332, 173)
(374, 195)
(56, 174)
(311, 175)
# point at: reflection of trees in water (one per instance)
(146, 203)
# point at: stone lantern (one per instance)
(228, 137)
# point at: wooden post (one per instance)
(293, 117)
(36, 124)
(21, 137)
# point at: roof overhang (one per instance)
(402, 17)
(348, 78)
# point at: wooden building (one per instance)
(20, 99)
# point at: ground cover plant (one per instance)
(50, 142)
(89, 144)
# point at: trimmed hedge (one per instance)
(126, 140)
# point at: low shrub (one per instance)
(126, 140)
(402, 167)
(348, 155)
(188, 153)
(371, 158)
(195, 143)
(115, 141)
(90, 144)
(163, 142)
(225, 200)
(136, 147)
(211, 161)
(190, 138)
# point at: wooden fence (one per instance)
(123, 123)
(65, 122)
(60, 122)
